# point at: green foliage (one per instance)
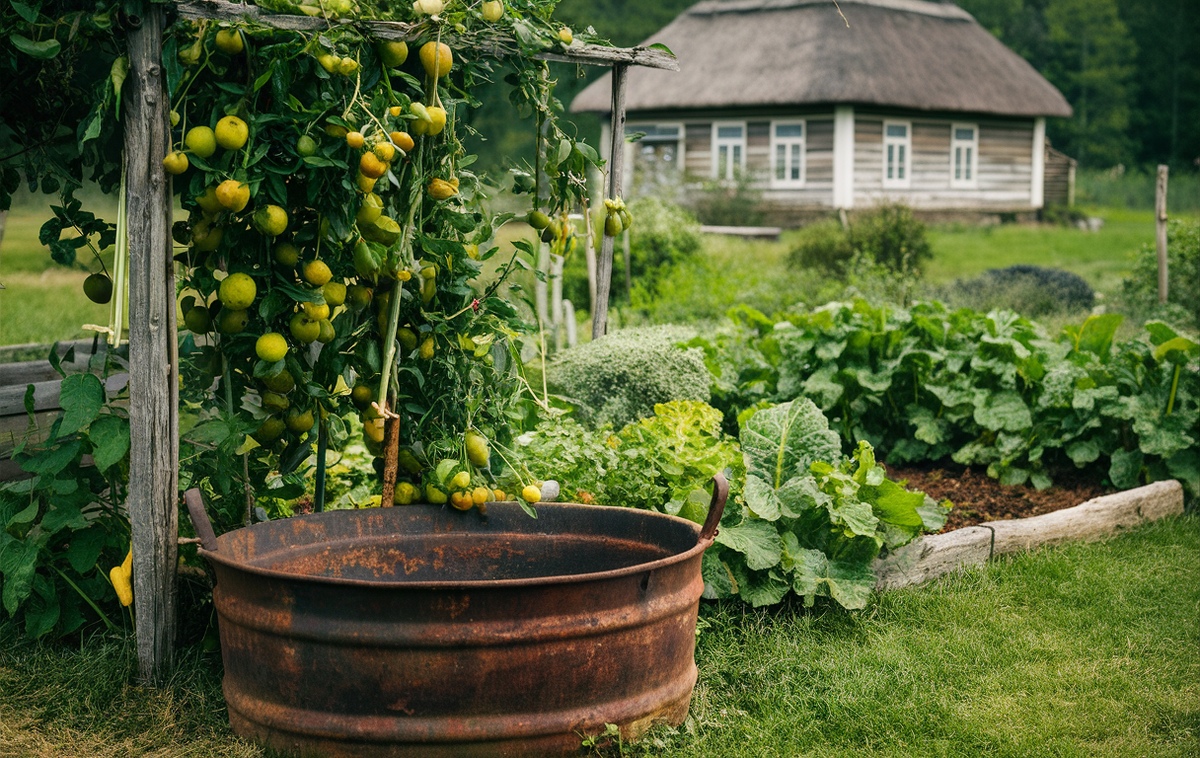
(1134, 188)
(993, 390)
(1032, 291)
(890, 235)
(729, 203)
(1139, 291)
(65, 526)
(663, 462)
(812, 522)
(799, 518)
(823, 245)
(620, 378)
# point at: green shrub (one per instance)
(1139, 291)
(663, 236)
(824, 245)
(1032, 291)
(892, 236)
(620, 378)
(724, 203)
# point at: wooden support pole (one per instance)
(1160, 231)
(616, 171)
(154, 377)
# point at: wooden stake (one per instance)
(1160, 231)
(616, 170)
(154, 378)
(391, 457)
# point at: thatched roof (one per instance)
(912, 54)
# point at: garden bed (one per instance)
(978, 498)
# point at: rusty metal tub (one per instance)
(420, 630)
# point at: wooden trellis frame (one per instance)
(153, 346)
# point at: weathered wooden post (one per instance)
(154, 376)
(616, 170)
(1160, 231)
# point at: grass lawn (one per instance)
(1083, 650)
(41, 300)
(1102, 258)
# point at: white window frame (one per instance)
(902, 147)
(640, 126)
(731, 143)
(787, 143)
(971, 150)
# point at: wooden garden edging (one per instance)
(927, 558)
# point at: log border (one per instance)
(927, 558)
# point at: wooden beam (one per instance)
(580, 53)
(616, 171)
(153, 382)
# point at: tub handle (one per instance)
(715, 508)
(204, 530)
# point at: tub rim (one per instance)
(702, 543)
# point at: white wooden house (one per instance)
(914, 101)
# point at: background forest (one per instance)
(1130, 69)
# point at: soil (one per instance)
(978, 498)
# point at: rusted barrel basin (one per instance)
(423, 631)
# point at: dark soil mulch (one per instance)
(978, 498)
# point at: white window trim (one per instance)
(787, 181)
(973, 166)
(906, 182)
(716, 146)
(638, 126)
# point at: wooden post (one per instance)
(616, 170)
(1160, 231)
(556, 300)
(628, 267)
(154, 377)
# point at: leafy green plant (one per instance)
(994, 390)
(812, 521)
(65, 525)
(1139, 290)
(824, 245)
(620, 378)
(891, 236)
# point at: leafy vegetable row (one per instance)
(995, 390)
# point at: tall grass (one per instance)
(1135, 188)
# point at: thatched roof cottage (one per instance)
(914, 101)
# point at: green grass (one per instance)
(1085, 650)
(42, 301)
(1102, 258)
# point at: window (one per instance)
(787, 153)
(657, 155)
(897, 151)
(729, 149)
(964, 155)
(654, 132)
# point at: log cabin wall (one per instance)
(1004, 164)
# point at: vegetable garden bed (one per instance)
(978, 498)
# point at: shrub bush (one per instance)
(1032, 291)
(620, 378)
(724, 203)
(892, 236)
(663, 235)
(823, 245)
(1139, 291)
